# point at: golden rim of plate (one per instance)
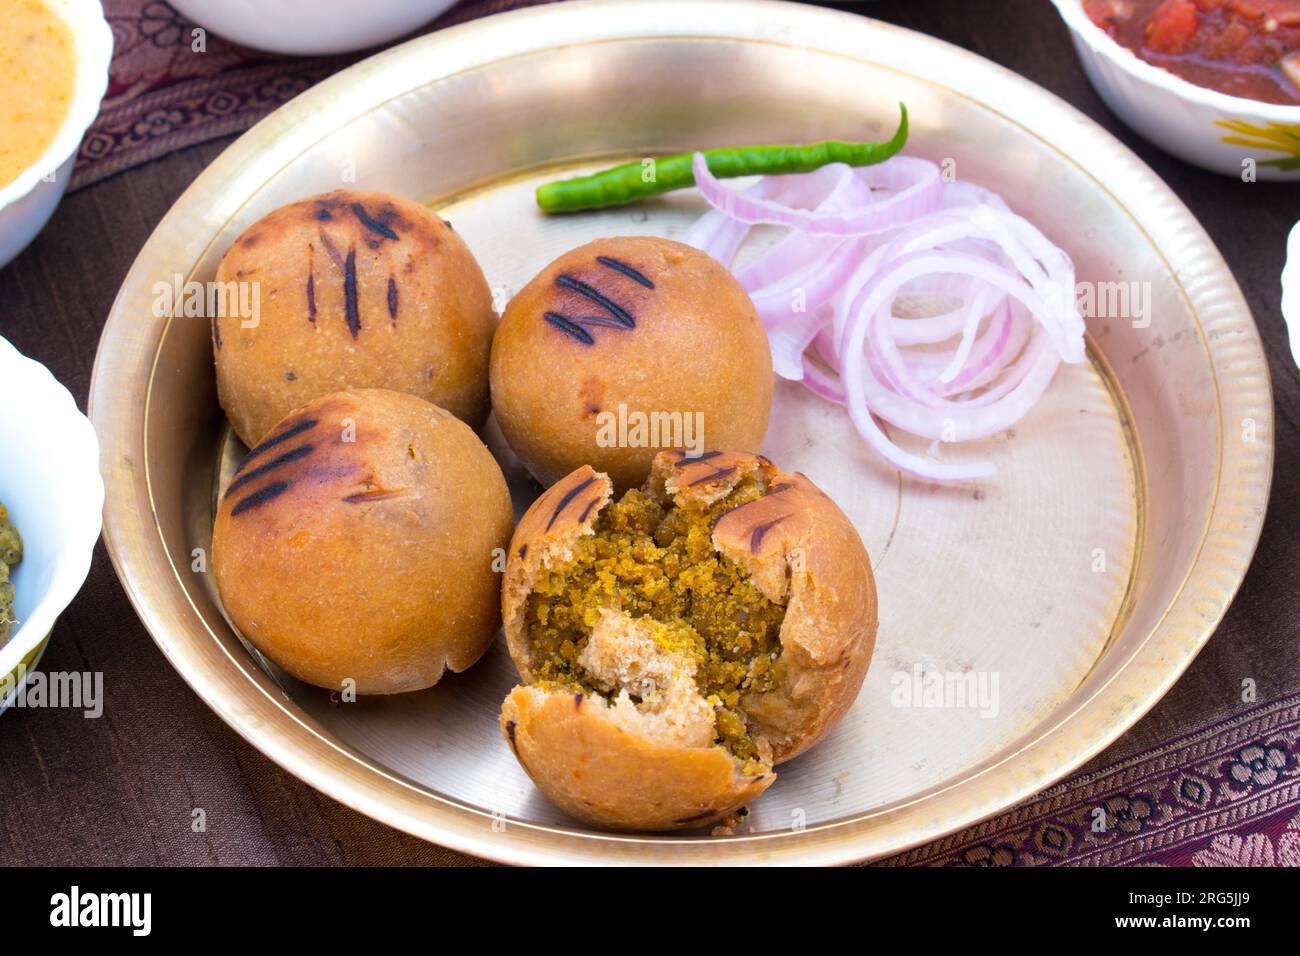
(129, 348)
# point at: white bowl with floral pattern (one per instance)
(1222, 133)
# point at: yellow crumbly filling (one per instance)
(648, 558)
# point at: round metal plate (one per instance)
(1073, 587)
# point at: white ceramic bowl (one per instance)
(1210, 129)
(50, 482)
(315, 29)
(27, 203)
(1291, 291)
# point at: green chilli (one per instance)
(633, 181)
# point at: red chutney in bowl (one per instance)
(1247, 48)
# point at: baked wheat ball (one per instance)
(677, 643)
(351, 290)
(624, 347)
(361, 541)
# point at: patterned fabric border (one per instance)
(1227, 795)
(164, 95)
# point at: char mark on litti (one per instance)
(302, 451)
(292, 431)
(259, 497)
(352, 308)
(311, 296)
(760, 532)
(685, 458)
(567, 498)
(371, 223)
(620, 315)
(569, 327)
(626, 269)
(267, 492)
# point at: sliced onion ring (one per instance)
(861, 243)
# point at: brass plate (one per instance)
(1085, 576)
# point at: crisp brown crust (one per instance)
(647, 324)
(801, 551)
(706, 477)
(599, 773)
(358, 543)
(355, 290)
(543, 537)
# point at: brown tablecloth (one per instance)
(1193, 782)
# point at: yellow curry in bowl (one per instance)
(38, 63)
